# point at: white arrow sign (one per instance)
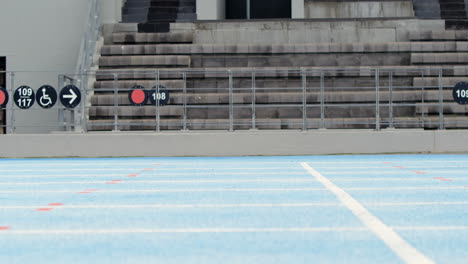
(71, 96)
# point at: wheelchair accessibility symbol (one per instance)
(46, 96)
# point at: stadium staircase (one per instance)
(417, 59)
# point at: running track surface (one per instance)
(318, 209)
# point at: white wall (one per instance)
(44, 35)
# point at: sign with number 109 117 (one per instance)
(460, 93)
(24, 97)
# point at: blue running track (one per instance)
(317, 209)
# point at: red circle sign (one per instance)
(3, 97)
(138, 96)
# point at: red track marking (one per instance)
(55, 204)
(399, 167)
(148, 169)
(466, 186)
(419, 172)
(387, 162)
(88, 191)
(442, 179)
(114, 182)
(4, 228)
(133, 175)
(44, 209)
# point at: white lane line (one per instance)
(409, 171)
(150, 163)
(235, 190)
(291, 180)
(177, 206)
(253, 163)
(403, 188)
(403, 249)
(171, 190)
(115, 168)
(417, 259)
(221, 206)
(153, 173)
(178, 230)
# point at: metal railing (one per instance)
(232, 100)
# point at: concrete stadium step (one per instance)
(300, 60)
(447, 35)
(448, 109)
(449, 58)
(137, 3)
(245, 111)
(144, 61)
(158, 16)
(284, 84)
(279, 72)
(428, 122)
(315, 48)
(456, 24)
(134, 18)
(143, 38)
(263, 99)
(155, 27)
(426, 8)
(109, 85)
(434, 81)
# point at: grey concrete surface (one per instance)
(234, 144)
(355, 9)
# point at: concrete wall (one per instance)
(234, 144)
(358, 9)
(211, 9)
(45, 36)
(307, 31)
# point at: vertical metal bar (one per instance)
(304, 100)
(158, 113)
(377, 99)
(116, 102)
(83, 79)
(423, 114)
(61, 116)
(390, 99)
(322, 100)
(184, 76)
(231, 103)
(254, 98)
(248, 8)
(441, 102)
(12, 109)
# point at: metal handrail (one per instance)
(310, 88)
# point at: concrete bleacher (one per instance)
(280, 52)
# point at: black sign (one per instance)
(46, 96)
(3, 97)
(460, 93)
(70, 96)
(24, 97)
(137, 96)
(161, 94)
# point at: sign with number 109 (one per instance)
(24, 97)
(460, 93)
